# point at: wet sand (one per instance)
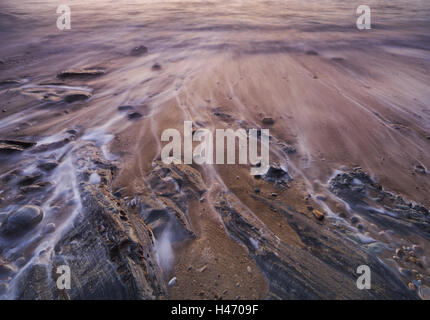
(343, 98)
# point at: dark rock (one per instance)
(295, 273)
(276, 174)
(156, 66)
(110, 250)
(8, 146)
(10, 82)
(81, 73)
(29, 179)
(311, 53)
(51, 146)
(125, 108)
(37, 187)
(257, 190)
(354, 220)
(48, 165)
(72, 131)
(268, 121)
(22, 220)
(138, 51)
(134, 115)
(78, 96)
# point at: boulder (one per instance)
(22, 220)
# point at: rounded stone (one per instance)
(22, 220)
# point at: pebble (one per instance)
(257, 190)
(73, 97)
(49, 228)
(354, 220)
(202, 269)
(47, 166)
(274, 194)
(156, 66)
(318, 214)
(134, 115)
(172, 282)
(138, 51)
(268, 121)
(94, 178)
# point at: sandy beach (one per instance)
(82, 112)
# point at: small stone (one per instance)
(360, 227)
(411, 286)
(134, 115)
(138, 51)
(318, 214)
(47, 166)
(354, 219)
(268, 121)
(274, 194)
(156, 66)
(201, 293)
(400, 253)
(202, 269)
(72, 131)
(172, 282)
(248, 268)
(311, 53)
(257, 190)
(80, 73)
(49, 228)
(125, 108)
(73, 97)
